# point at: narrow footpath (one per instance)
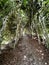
(27, 52)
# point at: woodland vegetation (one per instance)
(20, 17)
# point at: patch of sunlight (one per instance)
(43, 37)
(42, 54)
(25, 57)
(11, 37)
(48, 35)
(34, 37)
(33, 33)
(45, 63)
(5, 42)
(22, 15)
(40, 51)
(23, 33)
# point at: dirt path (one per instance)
(27, 52)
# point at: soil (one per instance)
(27, 52)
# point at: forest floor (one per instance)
(27, 52)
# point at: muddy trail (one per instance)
(27, 52)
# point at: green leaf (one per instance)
(24, 2)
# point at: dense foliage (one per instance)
(19, 15)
